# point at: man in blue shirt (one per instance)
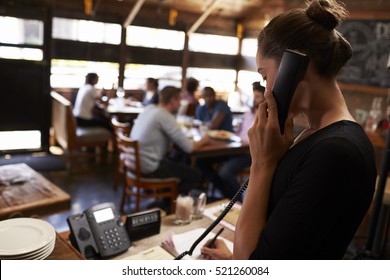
(215, 113)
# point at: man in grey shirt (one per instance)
(156, 129)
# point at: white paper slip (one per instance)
(184, 241)
(154, 253)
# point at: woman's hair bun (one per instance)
(328, 13)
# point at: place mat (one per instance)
(154, 253)
(230, 220)
(230, 217)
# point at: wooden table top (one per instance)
(63, 250)
(221, 148)
(35, 196)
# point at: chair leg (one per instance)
(137, 200)
(100, 153)
(116, 180)
(123, 200)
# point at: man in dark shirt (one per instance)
(215, 112)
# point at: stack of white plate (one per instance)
(26, 239)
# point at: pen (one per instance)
(212, 241)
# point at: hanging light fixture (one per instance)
(172, 16)
(88, 7)
(240, 30)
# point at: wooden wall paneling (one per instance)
(22, 95)
(74, 50)
(210, 60)
(143, 55)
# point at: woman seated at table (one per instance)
(189, 103)
(151, 94)
(230, 166)
(306, 196)
(85, 107)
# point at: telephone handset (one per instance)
(291, 70)
(98, 232)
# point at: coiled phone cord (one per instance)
(216, 222)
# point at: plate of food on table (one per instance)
(224, 135)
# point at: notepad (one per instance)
(184, 241)
(154, 253)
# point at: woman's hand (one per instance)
(219, 251)
(267, 145)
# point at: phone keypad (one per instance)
(111, 239)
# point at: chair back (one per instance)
(125, 127)
(120, 127)
(155, 188)
(63, 121)
(191, 109)
(130, 153)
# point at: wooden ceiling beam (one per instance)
(133, 13)
(203, 17)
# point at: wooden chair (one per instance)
(125, 128)
(139, 186)
(72, 138)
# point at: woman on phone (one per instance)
(306, 196)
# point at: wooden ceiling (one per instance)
(252, 13)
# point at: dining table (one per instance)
(125, 111)
(222, 143)
(25, 192)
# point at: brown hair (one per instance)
(153, 82)
(192, 85)
(168, 93)
(91, 78)
(257, 86)
(311, 31)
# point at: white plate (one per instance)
(24, 235)
(42, 255)
(224, 135)
(36, 255)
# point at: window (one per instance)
(249, 47)
(136, 74)
(21, 53)
(16, 140)
(213, 44)
(245, 80)
(221, 80)
(86, 31)
(154, 38)
(24, 31)
(71, 73)
(21, 32)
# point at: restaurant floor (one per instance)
(90, 183)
